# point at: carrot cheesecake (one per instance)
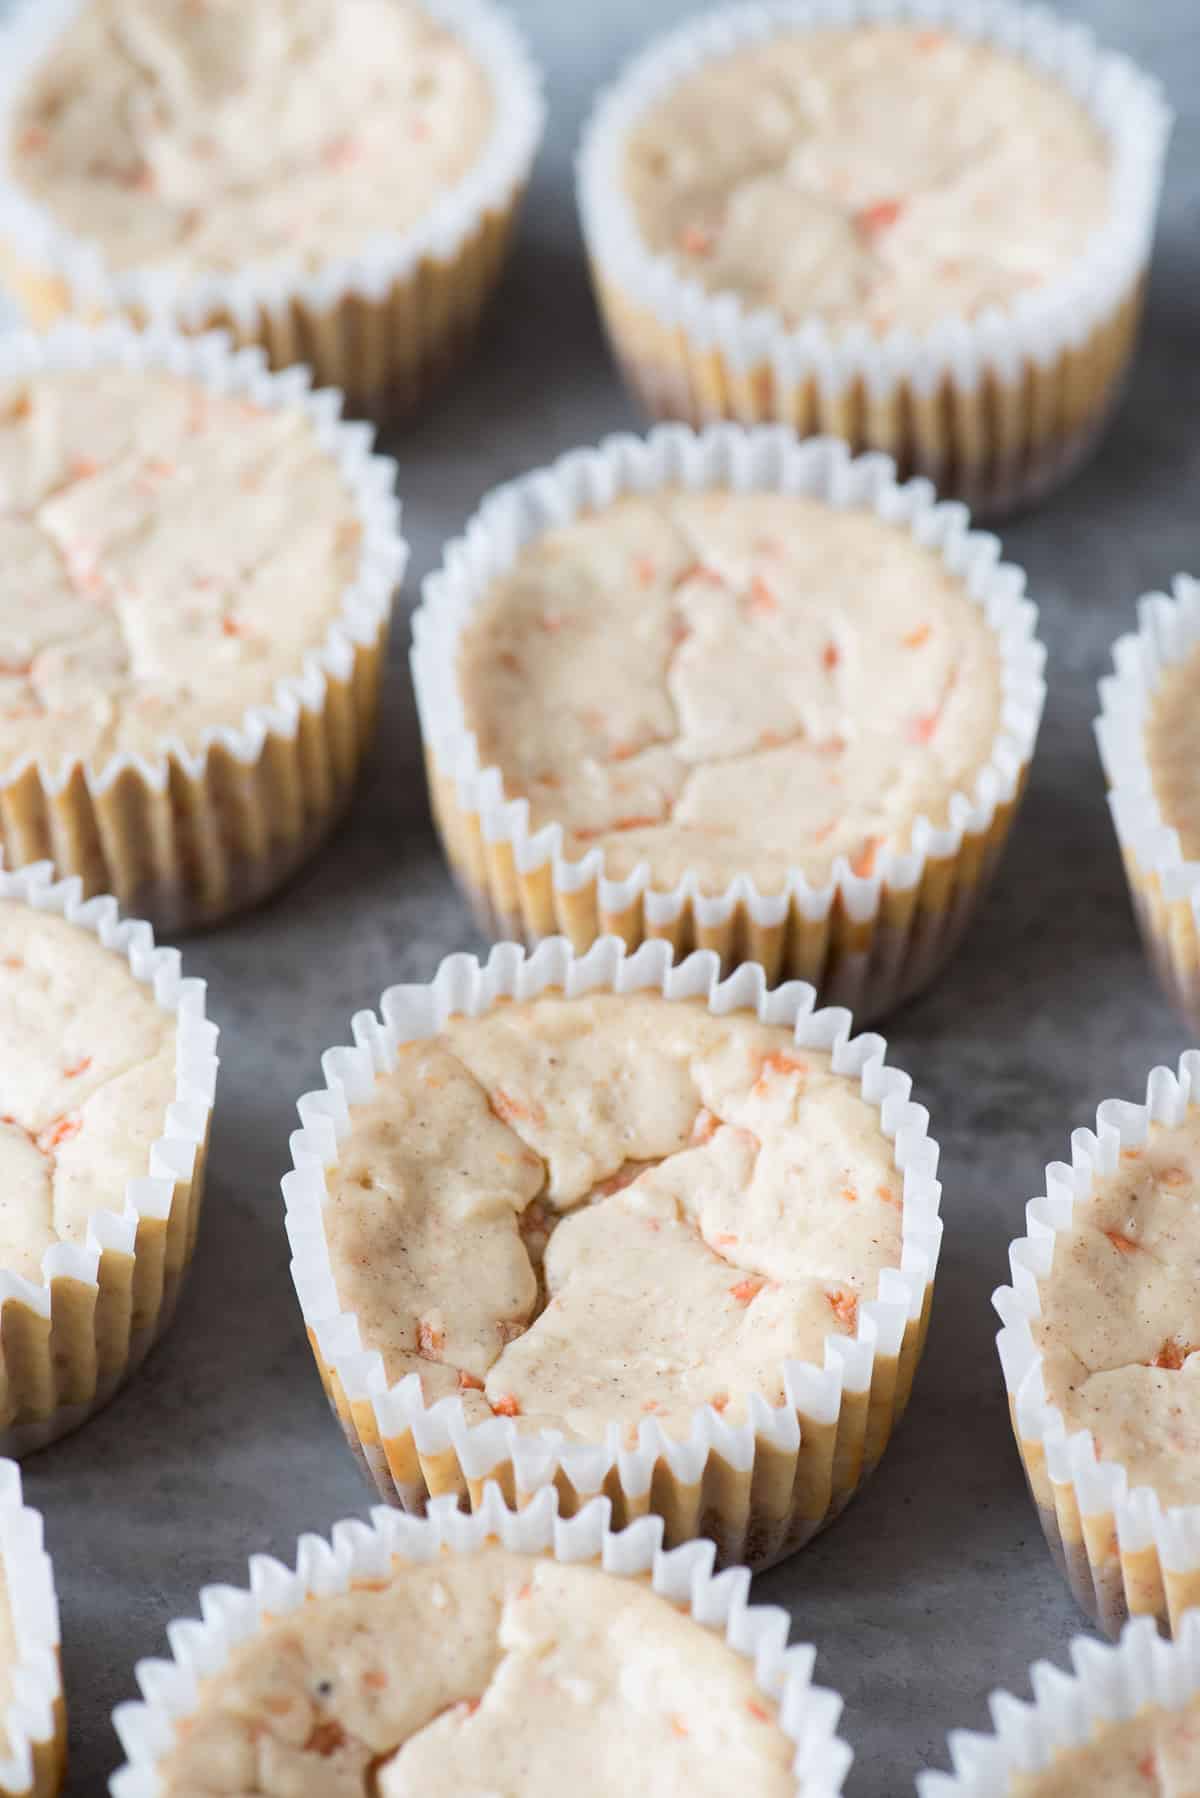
(868, 176)
(202, 136)
(492, 1672)
(87, 1076)
(1157, 1751)
(1117, 1330)
(171, 554)
(583, 1213)
(724, 683)
(1172, 751)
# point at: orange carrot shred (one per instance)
(844, 1306)
(850, 1196)
(916, 638)
(924, 729)
(643, 570)
(1148, 1766)
(80, 1067)
(468, 1383)
(879, 217)
(719, 1401)
(505, 1406)
(724, 1240)
(747, 1290)
(507, 1107)
(758, 1711)
(59, 1131)
(1171, 1355)
(374, 1680)
(830, 657)
(430, 1340)
(678, 1726)
(83, 467)
(695, 240)
(1124, 1245)
(887, 1195)
(863, 863)
(706, 1125)
(762, 600)
(326, 1738)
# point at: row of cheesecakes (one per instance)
(818, 216)
(728, 690)
(546, 1645)
(633, 1129)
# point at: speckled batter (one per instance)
(488, 1674)
(1172, 745)
(87, 1072)
(731, 683)
(208, 135)
(586, 1212)
(887, 175)
(167, 557)
(1153, 1755)
(1119, 1325)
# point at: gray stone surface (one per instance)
(936, 1586)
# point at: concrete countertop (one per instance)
(935, 1586)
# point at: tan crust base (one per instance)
(997, 446)
(56, 1371)
(755, 1516)
(49, 1760)
(1172, 939)
(1110, 1583)
(387, 355)
(203, 846)
(871, 966)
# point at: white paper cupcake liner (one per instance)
(206, 828)
(1121, 1550)
(760, 1488)
(358, 1551)
(363, 323)
(1109, 1685)
(34, 1750)
(864, 942)
(68, 1342)
(995, 409)
(1165, 888)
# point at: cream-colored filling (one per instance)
(167, 557)
(492, 1674)
(731, 683)
(887, 175)
(207, 135)
(1172, 744)
(1153, 1755)
(1118, 1328)
(87, 1072)
(592, 1211)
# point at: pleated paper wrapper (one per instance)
(1122, 1551)
(868, 942)
(207, 828)
(997, 409)
(1109, 1684)
(1165, 887)
(68, 1342)
(360, 1552)
(384, 326)
(34, 1748)
(760, 1488)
